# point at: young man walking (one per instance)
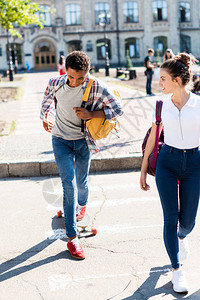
(149, 71)
(72, 146)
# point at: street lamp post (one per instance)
(15, 57)
(10, 64)
(104, 19)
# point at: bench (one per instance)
(121, 71)
(126, 72)
(94, 69)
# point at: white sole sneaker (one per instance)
(179, 281)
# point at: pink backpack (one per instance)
(158, 142)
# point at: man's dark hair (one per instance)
(150, 50)
(78, 61)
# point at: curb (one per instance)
(48, 168)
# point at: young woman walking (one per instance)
(61, 66)
(178, 164)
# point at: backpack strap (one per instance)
(158, 121)
(85, 98)
(159, 105)
(87, 90)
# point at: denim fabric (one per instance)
(179, 200)
(73, 162)
(149, 80)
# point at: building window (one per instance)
(100, 8)
(101, 50)
(131, 14)
(73, 14)
(89, 46)
(159, 9)
(132, 47)
(74, 45)
(185, 45)
(45, 15)
(160, 45)
(184, 12)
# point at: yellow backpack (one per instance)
(99, 128)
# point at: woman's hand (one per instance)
(143, 184)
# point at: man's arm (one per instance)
(150, 65)
(112, 106)
(47, 101)
(85, 114)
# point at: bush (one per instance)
(128, 63)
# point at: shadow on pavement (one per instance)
(148, 288)
(5, 267)
(119, 145)
(47, 152)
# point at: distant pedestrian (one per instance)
(61, 65)
(168, 54)
(178, 164)
(73, 146)
(27, 66)
(196, 87)
(193, 59)
(149, 71)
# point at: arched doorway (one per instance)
(45, 55)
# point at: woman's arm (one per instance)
(149, 148)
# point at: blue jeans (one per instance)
(148, 83)
(179, 201)
(73, 161)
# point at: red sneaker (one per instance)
(75, 249)
(80, 213)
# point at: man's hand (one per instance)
(82, 113)
(47, 126)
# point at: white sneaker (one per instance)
(179, 281)
(184, 249)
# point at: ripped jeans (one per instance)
(73, 162)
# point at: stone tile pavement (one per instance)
(28, 150)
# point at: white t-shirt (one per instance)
(181, 128)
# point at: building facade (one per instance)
(127, 27)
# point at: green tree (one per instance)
(128, 63)
(18, 13)
(158, 57)
(15, 14)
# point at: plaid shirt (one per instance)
(99, 98)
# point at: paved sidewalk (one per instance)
(125, 260)
(28, 151)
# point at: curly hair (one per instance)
(179, 66)
(78, 61)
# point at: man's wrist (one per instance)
(97, 114)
